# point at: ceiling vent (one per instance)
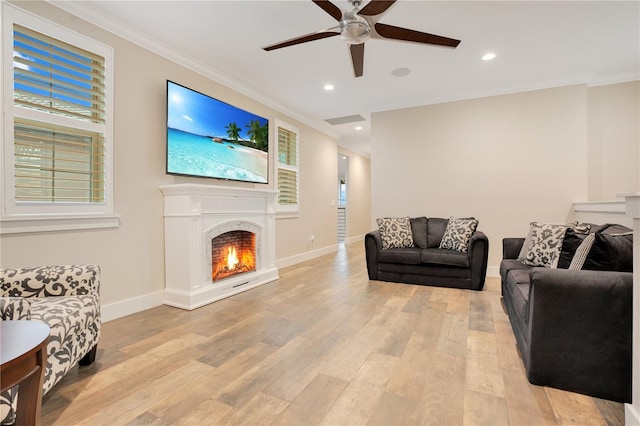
(345, 120)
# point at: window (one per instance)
(57, 89)
(288, 195)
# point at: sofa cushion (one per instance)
(511, 264)
(601, 251)
(395, 232)
(518, 286)
(70, 319)
(439, 256)
(419, 231)
(402, 255)
(435, 231)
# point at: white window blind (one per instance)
(56, 77)
(54, 163)
(57, 128)
(58, 164)
(287, 167)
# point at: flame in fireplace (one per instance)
(232, 258)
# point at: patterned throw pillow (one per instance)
(395, 232)
(546, 243)
(458, 233)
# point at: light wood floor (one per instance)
(322, 345)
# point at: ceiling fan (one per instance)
(358, 25)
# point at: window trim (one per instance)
(290, 210)
(40, 216)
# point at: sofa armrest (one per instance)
(511, 247)
(46, 281)
(372, 246)
(478, 258)
(579, 331)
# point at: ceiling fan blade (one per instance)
(303, 39)
(357, 58)
(376, 7)
(330, 8)
(398, 33)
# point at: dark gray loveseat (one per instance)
(426, 263)
(572, 327)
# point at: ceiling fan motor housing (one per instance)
(354, 29)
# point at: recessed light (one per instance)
(400, 72)
(358, 127)
(328, 87)
(488, 56)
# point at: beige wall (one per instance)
(358, 196)
(507, 160)
(614, 140)
(132, 256)
(318, 174)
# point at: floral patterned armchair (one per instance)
(66, 298)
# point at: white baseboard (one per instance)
(130, 306)
(493, 271)
(356, 239)
(289, 261)
(133, 305)
(631, 415)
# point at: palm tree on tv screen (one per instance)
(233, 131)
(258, 134)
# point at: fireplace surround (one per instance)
(200, 222)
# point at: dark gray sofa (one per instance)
(572, 327)
(426, 263)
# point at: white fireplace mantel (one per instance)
(192, 213)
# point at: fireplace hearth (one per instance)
(219, 241)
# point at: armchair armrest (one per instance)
(14, 308)
(579, 331)
(511, 247)
(46, 281)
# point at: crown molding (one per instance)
(588, 82)
(84, 11)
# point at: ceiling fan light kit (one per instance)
(354, 29)
(359, 25)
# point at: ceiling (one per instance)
(538, 44)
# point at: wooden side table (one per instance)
(23, 358)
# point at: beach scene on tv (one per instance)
(207, 137)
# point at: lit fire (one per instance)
(232, 259)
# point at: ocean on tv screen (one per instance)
(196, 155)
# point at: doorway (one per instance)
(343, 173)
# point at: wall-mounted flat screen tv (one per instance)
(210, 138)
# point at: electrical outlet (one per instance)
(311, 238)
